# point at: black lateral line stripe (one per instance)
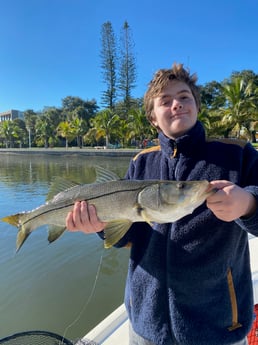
(72, 203)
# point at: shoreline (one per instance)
(99, 151)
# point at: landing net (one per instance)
(41, 338)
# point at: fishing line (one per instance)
(88, 299)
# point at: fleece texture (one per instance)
(189, 282)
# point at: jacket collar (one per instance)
(186, 144)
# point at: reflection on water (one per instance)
(46, 287)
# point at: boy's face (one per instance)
(175, 111)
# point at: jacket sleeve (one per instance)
(250, 182)
(250, 224)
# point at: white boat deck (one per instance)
(113, 330)
(253, 245)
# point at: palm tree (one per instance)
(30, 118)
(44, 130)
(65, 131)
(7, 132)
(139, 127)
(105, 124)
(79, 128)
(204, 117)
(240, 105)
(121, 132)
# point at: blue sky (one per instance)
(50, 49)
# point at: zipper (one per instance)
(174, 156)
(174, 150)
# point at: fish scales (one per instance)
(119, 203)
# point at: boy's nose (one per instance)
(177, 105)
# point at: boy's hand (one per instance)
(230, 201)
(84, 218)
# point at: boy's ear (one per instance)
(155, 125)
(153, 120)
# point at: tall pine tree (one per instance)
(108, 64)
(127, 66)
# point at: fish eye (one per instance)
(180, 185)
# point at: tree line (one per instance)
(229, 108)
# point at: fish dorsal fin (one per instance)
(104, 175)
(58, 185)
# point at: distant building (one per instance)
(11, 115)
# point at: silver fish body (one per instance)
(118, 202)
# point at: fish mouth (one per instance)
(205, 190)
(210, 190)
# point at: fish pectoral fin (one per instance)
(145, 218)
(54, 232)
(115, 230)
(142, 212)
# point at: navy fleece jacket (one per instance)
(190, 281)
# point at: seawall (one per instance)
(72, 151)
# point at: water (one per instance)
(48, 287)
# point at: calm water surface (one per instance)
(45, 287)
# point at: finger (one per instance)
(69, 222)
(77, 217)
(95, 222)
(216, 198)
(83, 213)
(220, 184)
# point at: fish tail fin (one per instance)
(13, 219)
(23, 232)
(115, 230)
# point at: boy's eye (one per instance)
(165, 103)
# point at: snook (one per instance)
(118, 202)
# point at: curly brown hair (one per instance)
(160, 81)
